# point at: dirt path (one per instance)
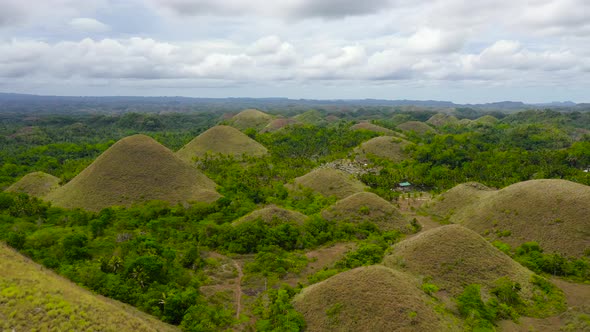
(409, 207)
(238, 289)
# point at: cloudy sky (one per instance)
(463, 51)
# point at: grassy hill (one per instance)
(555, 213)
(250, 118)
(454, 256)
(278, 124)
(221, 140)
(329, 182)
(36, 184)
(366, 206)
(486, 120)
(372, 298)
(311, 117)
(416, 126)
(442, 119)
(386, 147)
(35, 299)
(133, 170)
(373, 127)
(273, 214)
(457, 198)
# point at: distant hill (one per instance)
(273, 215)
(420, 128)
(371, 298)
(373, 127)
(386, 147)
(36, 184)
(134, 170)
(366, 206)
(278, 124)
(442, 119)
(33, 298)
(329, 182)
(224, 140)
(250, 118)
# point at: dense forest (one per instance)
(155, 256)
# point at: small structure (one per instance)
(405, 184)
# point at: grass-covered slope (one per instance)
(36, 184)
(416, 126)
(457, 198)
(555, 213)
(366, 206)
(372, 127)
(329, 182)
(273, 215)
(133, 170)
(454, 256)
(221, 140)
(372, 298)
(250, 118)
(386, 147)
(442, 119)
(278, 124)
(35, 299)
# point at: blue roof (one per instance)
(405, 184)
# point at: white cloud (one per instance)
(87, 24)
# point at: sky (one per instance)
(455, 50)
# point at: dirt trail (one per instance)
(409, 207)
(238, 289)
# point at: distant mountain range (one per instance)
(13, 101)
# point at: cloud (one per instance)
(286, 9)
(428, 40)
(88, 25)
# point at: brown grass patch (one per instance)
(555, 213)
(417, 127)
(329, 182)
(273, 215)
(36, 184)
(221, 140)
(135, 169)
(372, 298)
(386, 147)
(366, 206)
(34, 298)
(250, 118)
(278, 124)
(454, 257)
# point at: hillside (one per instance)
(486, 120)
(250, 118)
(373, 127)
(416, 126)
(386, 147)
(221, 140)
(36, 184)
(311, 117)
(554, 213)
(366, 206)
(372, 298)
(33, 298)
(278, 124)
(457, 198)
(454, 257)
(442, 119)
(133, 170)
(329, 182)
(272, 215)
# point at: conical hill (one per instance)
(36, 184)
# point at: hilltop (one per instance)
(329, 182)
(278, 124)
(457, 198)
(386, 147)
(416, 126)
(454, 256)
(442, 119)
(373, 127)
(36, 184)
(134, 170)
(250, 118)
(366, 206)
(224, 140)
(33, 297)
(272, 215)
(555, 213)
(372, 298)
